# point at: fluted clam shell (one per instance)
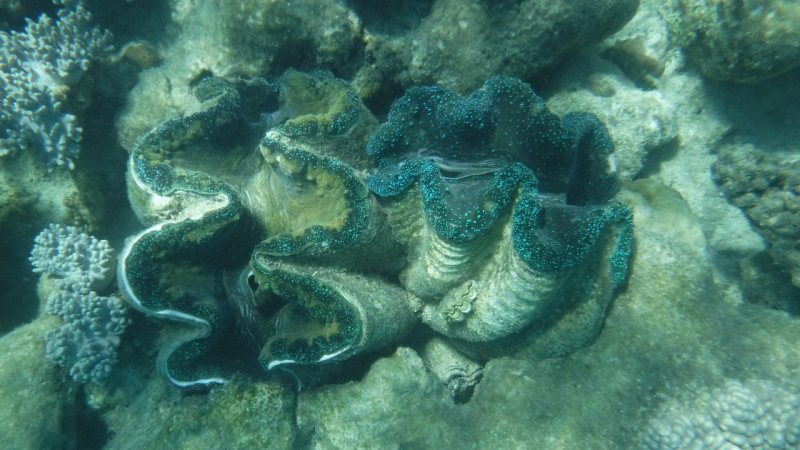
(432, 264)
(330, 314)
(170, 269)
(509, 293)
(436, 265)
(316, 207)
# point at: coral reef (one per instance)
(422, 402)
(87, 341)
(37, 68)
(764, 283)
(247, 38)
(460, 270)
(748, 415)
(78, 265)
(322, 34)
(745, 41)
(240, 414)
(457, 44)
(641, 121)
(669, 332)
(58, 94)
(767, 188)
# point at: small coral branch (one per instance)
(66, 253)
(79, 264)
(37, 67)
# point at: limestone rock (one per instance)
(743, 41)
(36, 404)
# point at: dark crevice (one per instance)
(657, 156)
(393, 17)
(90, 429)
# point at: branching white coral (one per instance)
(87, 341)
(65, 253)
(37, 66)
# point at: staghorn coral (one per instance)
(284, 239)
(753, 414)
(80, 265)
(37, 67)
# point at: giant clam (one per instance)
(208, 192)
(330, 314)
(487, 218)
(519, 224)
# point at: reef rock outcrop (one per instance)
(744, 41)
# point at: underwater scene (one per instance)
(388, 224)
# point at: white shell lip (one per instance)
(324, 358)
(217, 201)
